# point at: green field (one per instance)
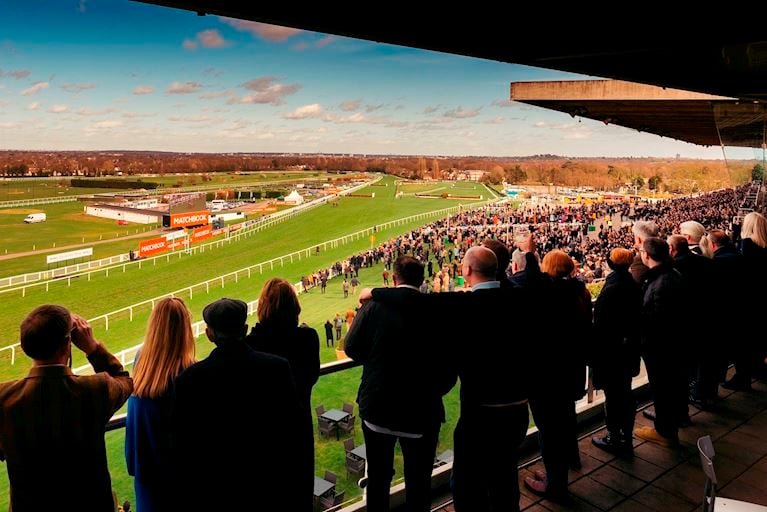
(98, 296)
(103, 294)
(66, 224)
(17, 189)
(440, 187)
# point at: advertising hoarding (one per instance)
(63, 256)
(153, 246)
(195, 218)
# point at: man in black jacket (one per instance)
(662, 347)
(236, 423)
(494, 380)
(400, 396)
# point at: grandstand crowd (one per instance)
(234, 430)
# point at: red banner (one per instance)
(181, 220)
(201, 233)
(153, 246)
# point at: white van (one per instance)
(34, 217)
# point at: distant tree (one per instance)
(638, 182)
(757, 173)
(653, 182)
(516, 175)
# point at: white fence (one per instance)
(247, 271)
(33, 202)
(46, 277)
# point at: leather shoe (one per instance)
(652, 435)
(612, 444)
(649, 414)
(537, 486)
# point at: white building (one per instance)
(122, 213)
(294, 198)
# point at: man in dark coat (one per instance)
(702, 353)
(494, 383)
(235, 422)
(403, 381)
(615, 359)
(662, 347)
(329, 334)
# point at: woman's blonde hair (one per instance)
(557, 264)
(755, 228)
(278, 304)
(168, 349)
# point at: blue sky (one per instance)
(114, 74)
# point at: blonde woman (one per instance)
(168, 349)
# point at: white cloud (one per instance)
(133, 115)
(431, 109)
(540, 124)
(373, 108)
(213, 72)
(266, 91)
(350, 105)
(58, 109)
(462, 113)
(82, 5)
(273, 33)
(8, 124)
(188, 44)
(34, 105)
(85, 111)
(35, 88)
(4, 102)
(76, 88)
(300, 46)
(357, 117)
(502, 103)
(496, 120)
(211, 39)
(183, 87)
(143, 89)
(265, 136)
(18, 74)
(314, 110)
(190, 119)
(218, 94)
(112, 123)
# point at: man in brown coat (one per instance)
(52, 421)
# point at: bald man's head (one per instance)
(479, 264)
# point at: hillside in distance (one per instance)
(675, 175)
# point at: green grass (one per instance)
(331, 391)
(66, 224)
(17, 189)
(103, 294)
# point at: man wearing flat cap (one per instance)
(234, 423)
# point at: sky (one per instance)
(116, 74)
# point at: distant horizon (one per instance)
(373, 155)
(149, 78)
